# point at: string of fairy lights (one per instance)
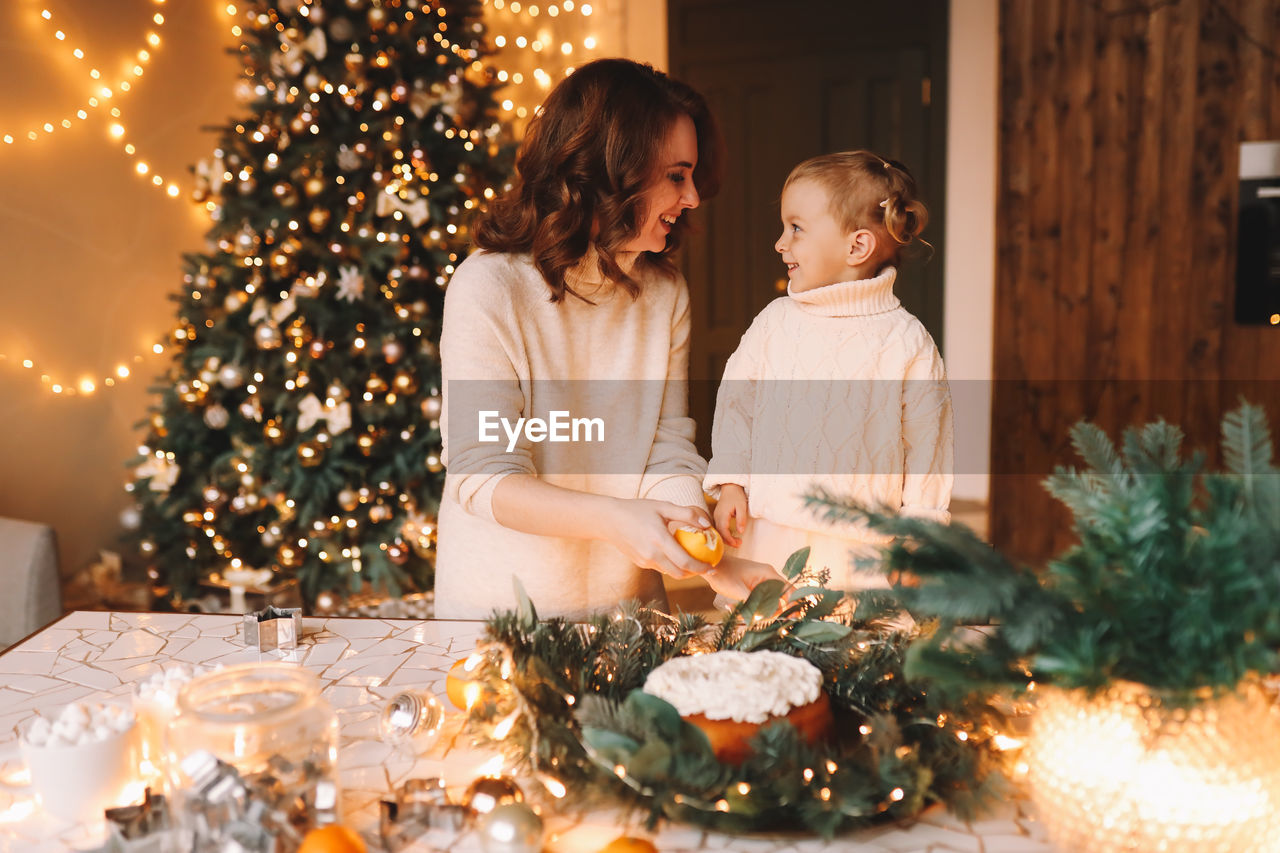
(522, 33)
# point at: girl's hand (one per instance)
(731, 508)
(643, 531)
(735, 577)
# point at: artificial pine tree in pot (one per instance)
(1142, 646)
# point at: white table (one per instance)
(362, 663)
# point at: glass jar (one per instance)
(252, 753)
(1128, 768)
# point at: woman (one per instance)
(575, 314)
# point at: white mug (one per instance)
(79, 781)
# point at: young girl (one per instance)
(574, 309)
(836, 385)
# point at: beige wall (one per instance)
(90, 249)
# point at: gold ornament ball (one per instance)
(353, 61)
(310, 453)
(348, 500)
(272, 431)
(377, 17)
(405, 383)
(289, 556)
(431, 407)
(486, 793)
(318, 218)
(314, 186)
(378, 513)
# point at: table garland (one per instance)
(564, 701)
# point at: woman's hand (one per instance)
(732, 507)
(643, 531)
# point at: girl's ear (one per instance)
(862, 247)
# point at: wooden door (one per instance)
(788, 82)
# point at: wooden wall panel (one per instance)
(1120, 124)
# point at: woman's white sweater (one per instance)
(508, 352)
(838, 388)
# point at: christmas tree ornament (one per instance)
(318, 218)
(311, 453)
(130, 517)
(289, 556)
(510, 828)
(404, 382)
(392, 350)
(380, 512)
(273, 432)
(193, 517)
(413, 716)
(314, 185)
(431, 406)
(375, 385)
(459, 687)
(317, 348)
(434, 465)
(397, 553)
(270, 537)
(487, 793)
(231, 376)
(348, 500)
(212, 494)
(216, 417)
(267, 336)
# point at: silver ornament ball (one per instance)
(130, 518)
(216, 416)
(511, 828)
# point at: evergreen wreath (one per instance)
(1173, 584)
(565, 701)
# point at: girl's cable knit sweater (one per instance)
(508, 351)
(840, 388)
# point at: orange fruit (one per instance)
(458, 687)
(705, 545)
(334, 838)
(629, 844)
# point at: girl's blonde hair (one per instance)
(869, 191)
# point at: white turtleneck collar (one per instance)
(850, 298)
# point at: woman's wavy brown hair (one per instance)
(588, 155)
(870, 191)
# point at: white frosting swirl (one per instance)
(746, 687)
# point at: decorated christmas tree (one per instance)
(297, 430)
